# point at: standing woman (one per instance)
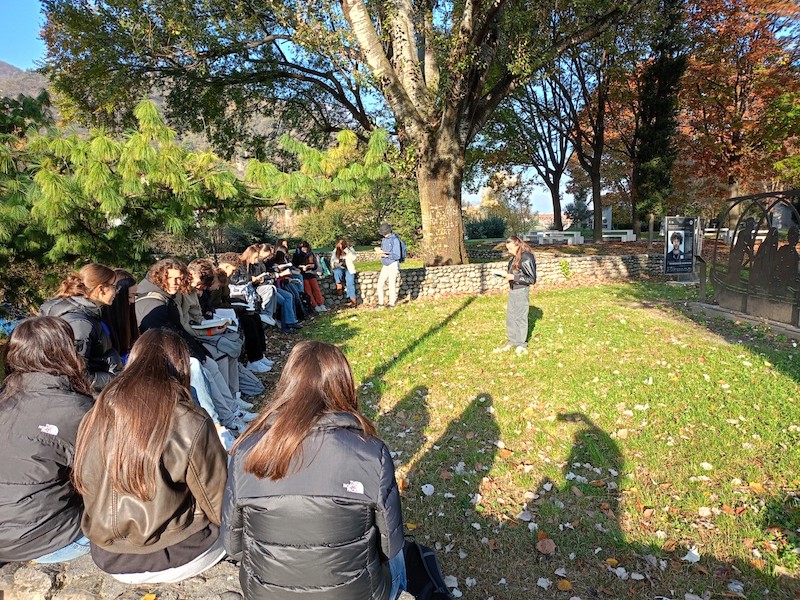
(344, 266)
(78, 302)
(44, 398)
(151, 470)
(521, 274)
(312, 505)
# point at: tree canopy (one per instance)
(434, 72)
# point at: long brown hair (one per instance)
(341, 244)
(132, 417)
(120, 315)
(85, 281)
(521, 247)
(316, 380)
(250, 254)
(43, 345)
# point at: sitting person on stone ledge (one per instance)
(312, 506)
(151, 470)
(44, 398)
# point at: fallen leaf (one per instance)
(505, 453)
(446, 475)
(564, 585)
(493, 545)
(149, 597)
(544, 583)
(670, 545)
(597, 483)
(577, 492)
(728, 510)
(546, 546)
(612, 562)
(411, 526)
(756, 487)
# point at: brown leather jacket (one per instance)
(188, 495)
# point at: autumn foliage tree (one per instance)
(743, 60)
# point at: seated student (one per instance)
(222, 345)
(151, 470)
(120, 316)
(156, 308)
(273, 272)
(253, 272)
(78, 302)
(44, 398)
(308, 263)
(254, 343)
(252, 275)
(311, 505)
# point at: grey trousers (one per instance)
(517, 316)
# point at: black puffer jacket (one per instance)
(326, 530)
(40, 511)
(156, 309)
(92, 340)
(525, 275)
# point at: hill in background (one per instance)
(15, 81)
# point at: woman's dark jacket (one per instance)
(92, 340)
(300, 258)
(525, 275)
(327, 529)
(40, 511)
(156, 309)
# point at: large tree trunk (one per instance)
(597, 203)
(555, 195)
(734, 191)
(440, 170)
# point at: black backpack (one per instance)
(425, 581)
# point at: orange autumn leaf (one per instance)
(564, 585)
(546, 546)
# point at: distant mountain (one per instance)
(14, 81)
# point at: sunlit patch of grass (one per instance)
(657, 429)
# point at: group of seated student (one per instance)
(138, 476)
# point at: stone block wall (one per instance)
(433, 282)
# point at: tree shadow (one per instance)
(380, 371)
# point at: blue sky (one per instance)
(20, 44)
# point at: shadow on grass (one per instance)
(456, 465)
(380, 371)
(609, 565)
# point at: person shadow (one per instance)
(444, 486)
(583, 517)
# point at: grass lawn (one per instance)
(632, 436)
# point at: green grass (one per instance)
(693, 425)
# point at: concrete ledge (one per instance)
(712, 310)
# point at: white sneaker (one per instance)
(521, 350)
(505, 348)
(246, 416)
(266, 362)
(323, 307)
(318, 309)
(257, 367)
(267, 319)
(243, 404)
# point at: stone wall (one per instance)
(433, 282)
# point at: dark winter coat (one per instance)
(40, 511)
(92, 340)
(525, 275)
(327, 529)
(156, 309)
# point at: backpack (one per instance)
(425, 581)
(402, 249)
